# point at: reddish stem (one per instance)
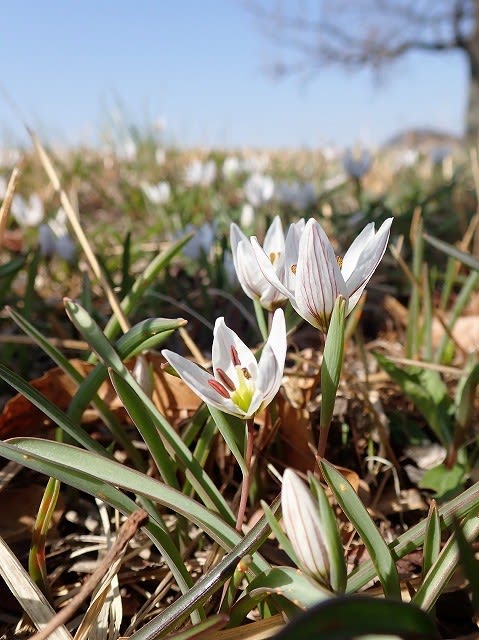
(247, 475)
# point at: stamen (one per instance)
(219, 388)
(225, 379)
(293, 268)
(273, 256)
(246, 373)
(339, 260)
(234, 356)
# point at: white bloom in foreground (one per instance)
(303, 526)
(27, 214)
(239, 385)
(316, 280)
(275, 247)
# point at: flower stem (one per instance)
(246, 476)
(258, 309)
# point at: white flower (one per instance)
(160, 156)
(159, 193)
(27, 214)
(297, 194)
(201, 243)
(54, 238)
(231, 167)
(258, 189)
(315, 280)
(247, 215)
(239, 385)
(303, 526)
(275, 249)
(357, 164)
(199, 173)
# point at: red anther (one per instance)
(219, 388)
(225, 379)
(234, 356)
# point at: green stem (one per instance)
(258, 309)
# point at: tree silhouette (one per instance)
(372, 34)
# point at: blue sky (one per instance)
(199, 65)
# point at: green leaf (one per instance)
(198, 630)
(432, 539)
(357, 513)
(469, 563)
(464, 257)
(428, 393)
(442, 570)
(443, 481)
(349, 617)
(290, 583)
(232, 429)
(460, 507)
(332, 362)
(65, 461)
(337, 562)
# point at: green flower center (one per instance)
(244, 391)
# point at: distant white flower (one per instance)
(333, 182)
(231, 167)
(258, 189)
(439, 154)
(128, 150)
(247, 215)
(200, 173)
(315, 280)
(159, 193)
(9, 157)
(239, 385)
(299, 195)
(357, 164)
(406, 158)
(27, 213)
(229, 268)
(160, 156)
(3, 187)
(201, 243)
(54, 238)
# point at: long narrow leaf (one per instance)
(356, 512)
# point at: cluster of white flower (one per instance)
(157, 193)
(199, 173)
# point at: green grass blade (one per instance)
(432, 539)
(356, 512)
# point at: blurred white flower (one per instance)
(9, 157)
(256, 164)
(160, 156)
(299, 195)
(258, 189)
(3, 187)
(229, 268)
(54, 238)
(201, 243)
(128, 150)
(357, 164)
(158, 193)
(27, 213)
(247, 215)
(200, 173)
(231, 167)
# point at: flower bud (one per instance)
(143, 374)
(303, 526)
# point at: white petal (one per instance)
(351, 256)
(367, 263)
(236, 235)
(197, 379)
(293, 237)
(224, 339)
(271, 363)
(267, 269)
(249, 275)
(274, 238)
(318, 278)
